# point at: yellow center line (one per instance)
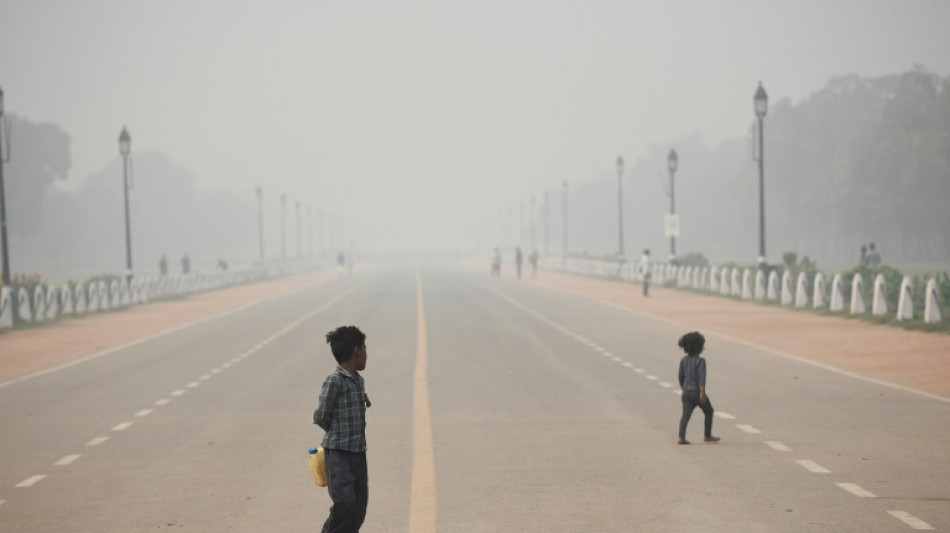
(422, 516)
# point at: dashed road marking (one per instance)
(910, 520)
(665, 384)
(651, 377)
(639, 370)
(30, 481)
(856, 490)
(205, 377)
(216, 371)
(122, 426)
(725, 415)
(97, 441)
(812, 466)
(178, 392)
(778, 446)
(66, 460)
(616, 359)
(627, 364)
(194, 384)
(144, 413)
(748, 429)
(162, 402)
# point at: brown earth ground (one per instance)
(912, 359)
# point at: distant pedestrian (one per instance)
(340, 263)
(873, 259)
(163, 266)
(644, 268)
(518, 260)
(533, 259)
(342, 414)
(185, 264)
(692, 377)
(496, 263)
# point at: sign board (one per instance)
(671, 225)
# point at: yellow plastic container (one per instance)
(318, 466)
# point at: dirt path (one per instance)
(912, 359)
(26, 351)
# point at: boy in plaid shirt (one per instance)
(342, 414)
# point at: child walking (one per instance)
(342, 414)
(692, 376)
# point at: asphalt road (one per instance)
(531, 410)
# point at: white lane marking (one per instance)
(162, 402)
(2, 502)
(748, 429)
(226, 365)
(216, 371)
(651, 377)
(97, 441)
(677, 392)
(66, 460)
(144, 412)
(30, 481)
(812, 466)
(665, 384)
(856, 490)
(178, 392)
(616, 359)
(639, 370)
(205, 377)
(608, 353)
(910, 520)
(627, 364)
(778, 446)
(746, 343)
(122, 426)
(237, 359)
(194, 384)
(724, 415)
(166, 332)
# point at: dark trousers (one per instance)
(348, 485)
(646, 284)
(690, 401)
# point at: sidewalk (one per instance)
(914, 359)
(26, 351)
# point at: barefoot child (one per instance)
(692, 376)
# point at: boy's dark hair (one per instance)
(343, 340)
(692, 343)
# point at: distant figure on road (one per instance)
(342, 414)
(496, 263)
(873, 259)
(223, 265)
(340, 263)
(533, 259)
(163, 266)
(644, 269)
(864, 254)
(185, 264)
(692, 376)
(518, 260)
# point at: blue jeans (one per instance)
(348, 485)
(690, 401)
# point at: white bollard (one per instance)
(759, 285)
(6, 308)
(52, 303)
(857, 294)
(787, 288)
(879, 305)
(23, 307)
(92, 297)
(713, 279)
(771, 293)
(818, 291)
(115, 294)
(746, 284)
(837, 295)
(735, 284)
(801, 298)
(905, 304)
(66, 294)
(932, 312)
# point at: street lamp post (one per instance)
(620, 203)
(672, 162)
(283, 226)
(761, 107)
(260, 221)
(564, 235)
(3, 206)
(299, 256)
(125, 146)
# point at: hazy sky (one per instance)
(398, 114)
